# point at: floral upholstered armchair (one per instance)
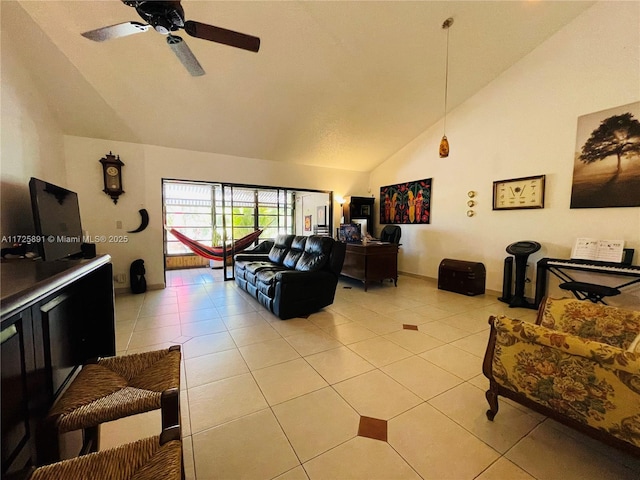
(579, 363)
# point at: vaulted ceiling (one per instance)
(339, 84)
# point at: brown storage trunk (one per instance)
(460, 276)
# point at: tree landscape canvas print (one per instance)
(606, 170)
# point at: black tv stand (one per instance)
(54, 317)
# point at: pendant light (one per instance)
(444, 143)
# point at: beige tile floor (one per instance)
(264, 398)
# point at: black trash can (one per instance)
(136, 273)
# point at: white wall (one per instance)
(31, 140)
(307, 204)
(522, 124)
(145, 166)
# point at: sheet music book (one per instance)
(600, 250)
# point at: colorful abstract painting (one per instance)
(408, 202)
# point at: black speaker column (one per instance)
(507, 278)
(518, 299)
(521, 251)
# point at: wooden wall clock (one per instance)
(517, 193)
(112, 176)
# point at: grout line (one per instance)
(350, 305)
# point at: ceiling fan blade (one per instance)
(116, 31)
(185, 55)
(222, 35)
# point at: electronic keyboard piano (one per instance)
(558, 267)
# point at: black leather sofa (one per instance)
(298, 275)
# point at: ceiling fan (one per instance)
(166, 17)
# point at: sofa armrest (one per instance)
(262, 247)
(249, 257)
(299, 293)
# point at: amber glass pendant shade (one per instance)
(444, 147)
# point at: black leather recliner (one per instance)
(298, 276)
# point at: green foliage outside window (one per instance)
(196, 210)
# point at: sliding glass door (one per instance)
(217, 214)
(188, 207)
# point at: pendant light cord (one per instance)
(446, 76)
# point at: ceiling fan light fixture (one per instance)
(162, 28)
(444, 143)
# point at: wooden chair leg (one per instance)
(48, 444)
(174, 433)
(492, 398)
(170, 407)
(90, 440)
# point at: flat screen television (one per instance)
(56, 216)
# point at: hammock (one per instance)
(215, 253)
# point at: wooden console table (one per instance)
(54, 317)
(372, 262)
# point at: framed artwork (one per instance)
(321, 214)
(307, 223)
(606, 166)
(350, 233)
(408, 202)
(519, 193)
